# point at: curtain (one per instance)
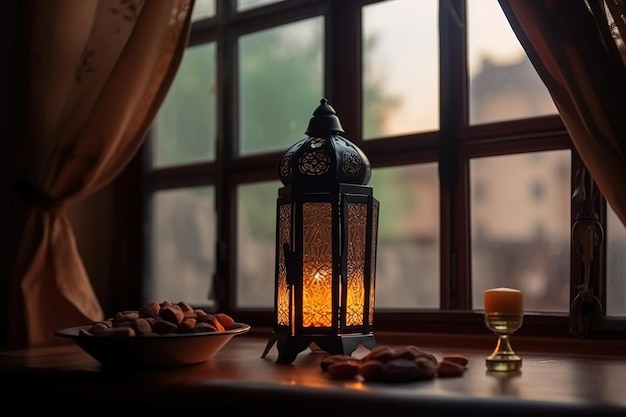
(96, 73)
(577, 48)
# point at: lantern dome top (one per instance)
(324, 156)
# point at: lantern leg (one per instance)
(345, 344)
(288, 346)
(269, 345)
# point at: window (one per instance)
(471, 163)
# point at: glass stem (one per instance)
(503, 347)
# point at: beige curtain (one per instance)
(98, 71)
(577, 47)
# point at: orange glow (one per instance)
(283, 290)
(317, 302)
(317, 267)
(355, 300)
(317, 306)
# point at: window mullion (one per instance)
(343, 62)
(226, 144)
(455, 286)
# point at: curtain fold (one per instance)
(99, 70)
(577, 49)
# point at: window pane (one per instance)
(615, 265)
(184, 129)
(503, 83)
(182, 252)
(407, 265)
(256, 243)
(400, 68)
(203, 9)
(520, 225)
(250, 4)
(281, 84)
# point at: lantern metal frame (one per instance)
(330, 221)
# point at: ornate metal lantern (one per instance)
(326, 235)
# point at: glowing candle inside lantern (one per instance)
(317, 302)
(504, 301)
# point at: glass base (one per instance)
(504, 363)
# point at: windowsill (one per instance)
(556, 380)
(451, 328)
(548, 346)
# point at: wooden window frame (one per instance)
(452, 147)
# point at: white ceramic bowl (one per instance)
(167, 350)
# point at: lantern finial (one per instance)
(324, 121)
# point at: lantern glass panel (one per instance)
(373, 262)
(283, 293)
(357, 220)
(317, 268)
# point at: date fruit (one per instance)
(394, 365)
(155, 318)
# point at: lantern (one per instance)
(326, 234)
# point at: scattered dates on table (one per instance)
(387, 364)
(155, 318)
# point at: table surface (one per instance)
(63, 376)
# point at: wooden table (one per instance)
(65, 379)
